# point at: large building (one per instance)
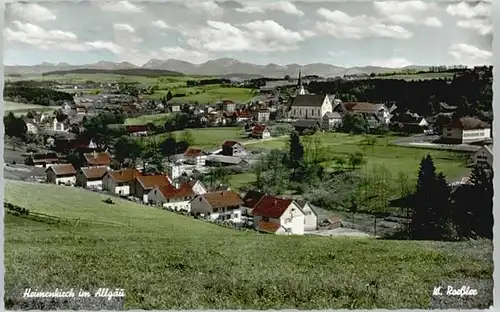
(466, 130)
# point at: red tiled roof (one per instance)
(227, 102)
(169, 191)
(62, 169)
(243, 114)
(252, 198)
(271, 207)
(94, 172)
(136, 128)
(268, 227)
(42, 157)
(258, 129)
(223, 199)
(124, 175)
(193, 152)
(229, 143)
(151, 181)
(97, 159)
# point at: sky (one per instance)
(343, 33)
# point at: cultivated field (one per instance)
(157, 119)
(395, 158)
(208, 138)
(18, 108)
(166, 261)
(208, 94)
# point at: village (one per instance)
(178, 188)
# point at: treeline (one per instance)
(36, 95)
(471, 87)
(204, 82)
(126, 72)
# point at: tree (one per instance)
(188, 137)
(356, 160)
(352, 123)
(14, 126)
(296, 150)
(370, 141)
(169, 145)
(340, 161)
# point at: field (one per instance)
(167, 261)
(395, 158)
(157, 119)
(208, 138)
(174, 84)
(19, 108)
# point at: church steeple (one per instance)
(300, 87)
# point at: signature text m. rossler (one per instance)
(451, 291)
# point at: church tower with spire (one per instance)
(300, 87)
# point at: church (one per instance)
(309, 106)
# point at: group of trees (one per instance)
(36, 95)
(204, 82)
(438, 212)
(473, 85)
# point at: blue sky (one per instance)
(342, 33)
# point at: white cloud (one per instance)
(308, 33)
(208, 7)
(342, 26)
(160, 24)
(470, 55)
(32, 12)
(463, 9)
(283, 6)
(407, 12)
(433, 22)
(483, 27)
(257, 36)
(30, 34)
(402, 7)
(120, 6)
(396, 62)
(336, 53)
(124, 27)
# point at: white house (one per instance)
(466, 130)
(119, 181)
(195, 156)
(279, 216)
(198, 187)
(484, 155)
(31, 127)
(260, 132)
(91, 177)
(309, 106)
(61, 174)
(379, 110)
(331, 120)
(310, 216)
(170, 197)
(221, 205)
(59, 126)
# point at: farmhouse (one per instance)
(195, 156)
(262, 115)
(197, 187)
(232, 148)
(42, 160)
(137, 130)
(31, 126)
(484, 156)
(309, 106)
(279, 216)
(61, 174)
(250, 200)
(118, 182)
(466, 130)
(223, 205)
(306, 126)
(379, 110)
(91, 177)
(331, 120)
(221, 160)
(173, 198)
(142, 184)
(96, 159)
(260, 132)
(310, 216)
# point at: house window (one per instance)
(289, 220)
(265, 219)
(216, 210)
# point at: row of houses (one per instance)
(267, 213)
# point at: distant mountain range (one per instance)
(218, 67)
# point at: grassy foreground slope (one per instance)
(164, 260)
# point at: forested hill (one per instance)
(126, 72)
(470, 88)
